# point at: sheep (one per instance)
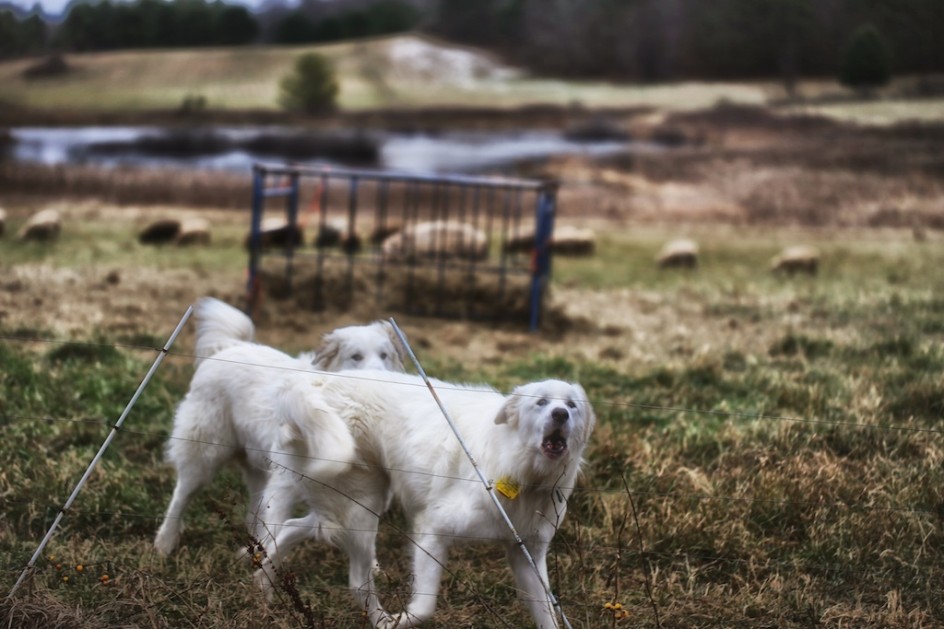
(520, 241)
(160, 232)
(194, 231)
(573, 241)
(274, 231)
(678, 253)
(566, 240)
(44, 225)
(437, 239)
(381, 232)
(796, 259)
(335, 233)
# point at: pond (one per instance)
(237, 148)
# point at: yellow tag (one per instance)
(507, 487)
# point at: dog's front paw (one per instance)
(264, 581)
(165, 543)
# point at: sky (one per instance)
(54, 7)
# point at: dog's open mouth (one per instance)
(554, 445)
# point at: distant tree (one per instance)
(77, 32)
(391, 16)
(9, 26)
(913, 29)
(19, 37)
(157, 18)
(866, 62)
(194, 23)
(235, 26)
(471, 21)
(311, 87)
(295, 28)
(330, 29)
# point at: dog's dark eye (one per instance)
(357, 357)
(383, 356)
(571, 404)
(542, 402)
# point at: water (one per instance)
(236, 149)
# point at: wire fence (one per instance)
(640, 555)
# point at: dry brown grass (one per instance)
(779, 437)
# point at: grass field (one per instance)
(769, 450)
(404, 71)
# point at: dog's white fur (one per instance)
(359, 347)
(406, 451)
(228, 414)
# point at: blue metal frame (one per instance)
(541, 271)
(544, 213)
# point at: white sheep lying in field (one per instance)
(570, 240)
(567, 240)
(194, 231)
(797, 259)
(678, 253)
(437, 240)
(43, 225)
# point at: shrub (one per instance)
(866, 63)
(311, 87)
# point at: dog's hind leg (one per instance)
(359, 541)
(274, 506)
(196, 456)
(256, 484)
(168, 535)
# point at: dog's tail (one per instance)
(314, 433)
(219, 326)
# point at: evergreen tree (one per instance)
(235, 26)
(312, 87)
(866, 63)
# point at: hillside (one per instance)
(406, 71)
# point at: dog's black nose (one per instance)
(560, 415)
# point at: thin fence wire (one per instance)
(101, 451)
(408, 535)
(8, 419)
(747, 415)
(489, 487)
(157, 517)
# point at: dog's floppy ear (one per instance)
(327, 354)
(396, 360)
(508, 413)
(585, 401)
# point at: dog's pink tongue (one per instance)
(554, 446)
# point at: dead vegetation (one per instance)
(776, 438)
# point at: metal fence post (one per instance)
(541, 265)
(255, 236)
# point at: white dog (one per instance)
(359, 347)
(228, 415)
(529, 444)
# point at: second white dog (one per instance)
(228, 414)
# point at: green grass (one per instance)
(791, 477)
(114, 244)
